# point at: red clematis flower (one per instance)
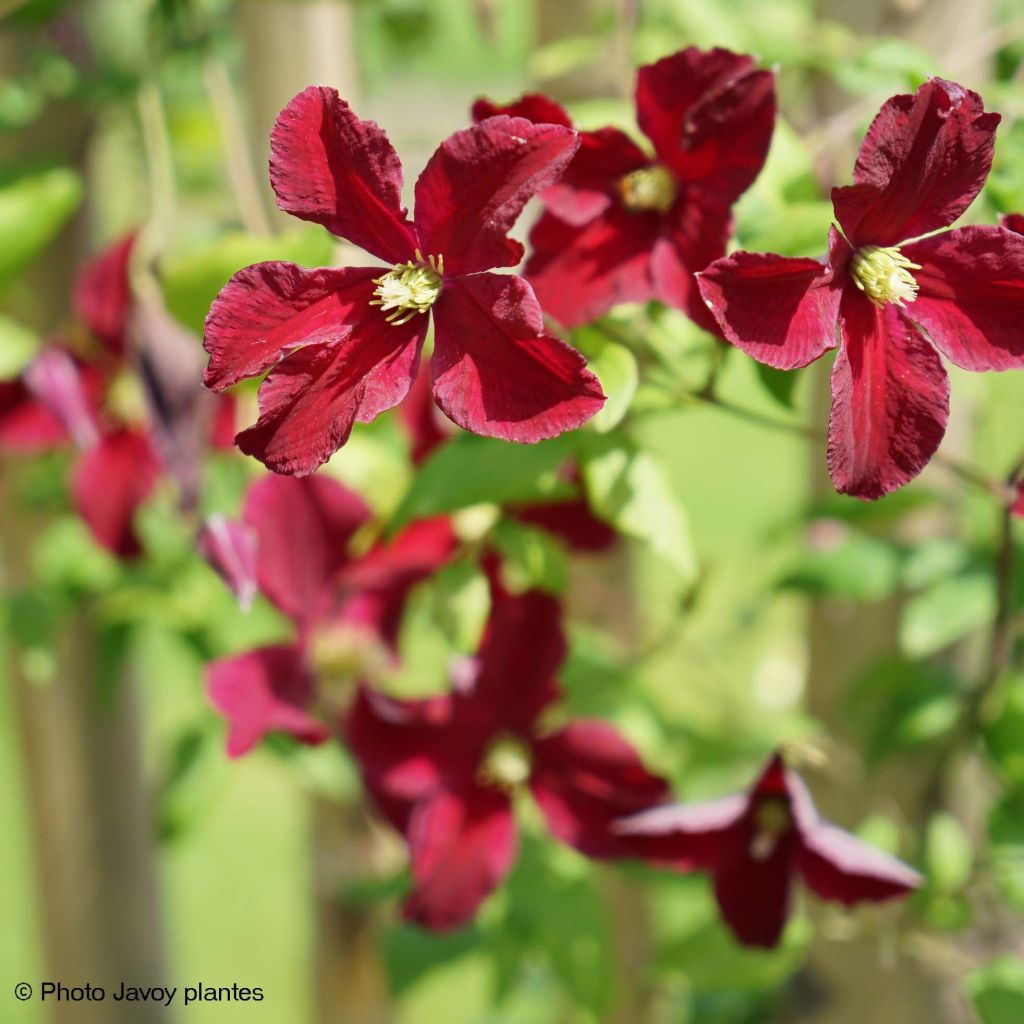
(294, 545)
(890, 305)
(1013, 222)
(442, 770)
(755, 844)
(623, 226)
(344, 345)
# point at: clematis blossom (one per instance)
(343, 345)
(892, 293)
(623, 225)
(757, 844)
(443, 771)
(294, 545)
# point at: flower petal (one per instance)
(262, 691)
(229, 548)
(109, 482)
(329, 167)
(921, 164)
(302, 528)
(496, 373)
(710, 116)
(463, 844)
(684, 835)
(1013, 222)
(782, 311)
(584, 777)
(102, 296)
(572, 522)
(68, 390)
(534, 106)
(890, 401)
(579, 273)
(419, 414)
(838, 866)
(26, 424)
(268, 310)
(476, 185)
(971, 299)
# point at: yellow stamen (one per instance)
(772, 820)
(650, 188)
(409, 288)
(506, 765)
(883, 274)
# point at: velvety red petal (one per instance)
(579, 273)
(971, 299)
(263, 691)
(109, 482)
(302, 528)
(1018, 506)
(229, 548)
(68, 390)
(890, 401)
(329, 167)
(572, 522)
(838, 866)
(586, 776)
(1013, 222)
(923, 161)
(102, 296)
(27, 425)
(710, 116)
(782, 311)
(422, 419)
(268, 310)
(476, 185)
(534, 106)
(495, 371)
(462, 844)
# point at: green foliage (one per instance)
(947, 611)
(997, 991)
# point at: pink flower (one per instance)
(624, 226)
(293, 545)
(756, 844)
(344, 345)
(891, 306)
(442, 770)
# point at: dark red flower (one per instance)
(103, 297)
(344, 345)
(755, 844)
(623, 226)
(1013, 222)
(442, 770)
(891, 306)
(294, 545)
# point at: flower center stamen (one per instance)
(650, 188)
(883, 274)
(772, 820)
(506, 764)
(410, 288)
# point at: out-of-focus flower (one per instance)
(756, 844)
(444, 770)
(344, 345)
(624, 226)
(890, 305)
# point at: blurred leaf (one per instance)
(931, 561)
(33, 209)
(18, 345)
(471, 470)
(192, 279)
(616, 369)
(628, 487)
(1004, 732)
(948, 856)
(793, 229)
(947, 612)
(996, 991)
(532, 555)
(410, 953)
(837, 561)
(900, 705)
(1006, 847)
(780, 384)
(192, 779)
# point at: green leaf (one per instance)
(947, 612)
(1006, 848)
(616, 369)
(192, 779)
(471, 470)
(33, 208)
(838, 561)
(996, 991)
(533, 556)
(193, 278)
(628, 487)
(18, 346)
(902, 705)
(1004, 732)
(780, 384)
(948, 856)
